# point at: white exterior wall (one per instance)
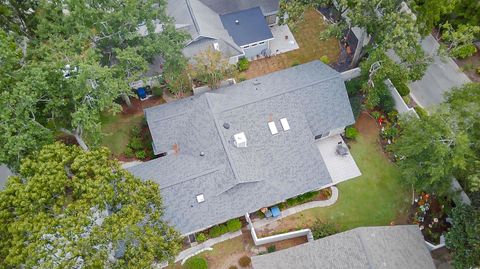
(255, 50)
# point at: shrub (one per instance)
(135, 132)
(351, 132)
(386, 100)
(422, 113)
(406, 99)
(241, 78)
(327, 192)
(325, 59)
(201, 237)
(320, 229)
(128, 152)
(135, 143)
(140, 154)
(271, 248)
(295, 63)
(354, 86)
(233, 267)
(376, 115)
(196, 263)
(392, 116)
(390, 132)
(218, 230)
(157, 91)
(243, 64)
(356, 103)
(401, 87)
(464, 51)
(478, 70)
(234, 225)
(244, 261)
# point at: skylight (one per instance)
(285, 124)
(273, 127)
(200, 198)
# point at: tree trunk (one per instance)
(126, 98)
(358, 49)
(77, 136)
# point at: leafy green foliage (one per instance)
(354, 86)
(271, 248)
(401, 87)
(463, 239)
(356, 103)
(217, 230)
(321, 230)
(466, 12)
(351, 132)
(201, 237)
(83, 204)
(243, 64)
(463, 51)
(325, 59)
(211, 68)
(421, 112)
(459, 40)
(306, 197)
(196, 263)
(234, 225)
(244, 261)
(430, 12)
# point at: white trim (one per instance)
(243, 46)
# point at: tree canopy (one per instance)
(73, 208)
(68, 61)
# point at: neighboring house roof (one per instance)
(223, 7)
(202, 24)
(269, 170)
(247, 26)
(393, 247)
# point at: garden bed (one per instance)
(430, 216)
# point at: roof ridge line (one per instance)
(367, 256)
(194, 19)
(224, 143)
(282, 93)
(194, 176)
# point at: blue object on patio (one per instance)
(141, 93)
(275, 211)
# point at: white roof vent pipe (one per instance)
(216, 46)
(240, 140)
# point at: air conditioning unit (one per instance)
(240, 140)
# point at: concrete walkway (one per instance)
(299, 208)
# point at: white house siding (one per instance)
(253, 51)
(271, 19)
(233, 60)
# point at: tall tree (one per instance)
(69, 208)
(459, 40)
(211, 68)
(463, 239)
(430, 12)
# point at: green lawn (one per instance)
(116, 131)
(378, 197)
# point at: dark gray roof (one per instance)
(313, 99)
(393, 247)
(223, 7)
(251, 27)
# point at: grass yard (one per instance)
(116, 130)
(378, 197)
(307, 35)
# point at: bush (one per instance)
(244, 261)
(135, 132)
(325, 59)
(135, 143)
(157, 91)
(234, 225)
(353, 86)
(241, 78)
(406, 99)
(478, 70)
(320, 229)
(390, 132)
(422, 113)
(140, 154)
(218, 230)
(233, 267)
(201, 237)
(295, 63)
(196, 263)
(386, 100)
(401, 87)
(464, 51)
(392, 116)
(128, 152)
(356, 104)
(351, 132)
(271, 248)
(376, 115)
(243, 64)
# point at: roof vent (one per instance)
(216, 46)
(256, 82)
(202, 153)
(237, 22)
(240, 140)
(285, 124)
(226, 125)
(272, 127)
(200, 198)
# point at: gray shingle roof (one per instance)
(238, 180)
(393, 247)
(224, 7)
(251, 27)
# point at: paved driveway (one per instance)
(440, 77)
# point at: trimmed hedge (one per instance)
(354, 86)
(234, 225)
(422, 113)
(218, 230)
(196, 263)
(243, 64)
(201, 237)
(351, 132)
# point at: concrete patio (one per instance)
(341, 168)
(283, 40)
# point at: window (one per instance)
(246, 47)
(254, 44)
(261, 43)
